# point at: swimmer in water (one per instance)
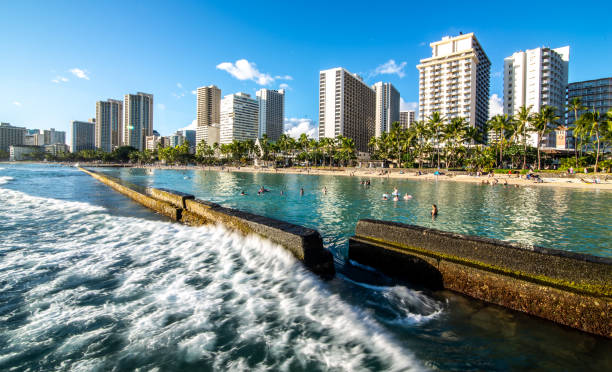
(281, 192)
(434, 210)
(301, 191)
(385, 196)
(324, 190)
(395, 198)
(407, 197)
(242, 192)
(395, 192)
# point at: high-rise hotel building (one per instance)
(137, 119)
(537, 78)
(454, 81)
(387, 107)
(208, 114)
(346, 107)
(271, 113)
(239, 118)
(407, 118)
(83, 136)
(109, 124)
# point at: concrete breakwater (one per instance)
(568, 288)
(304, 243)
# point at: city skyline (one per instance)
(270, 59)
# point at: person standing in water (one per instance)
(324, 190)
(301, 191)
(434, 210)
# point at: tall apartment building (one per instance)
(83, 136)
(208, 112)
(454, 81)
(137, 119)
(53, 136)
(271, 113)
(10, 135)
(208, 105)
(33, 137)
(387, 107)
(109, 124)
(595, 94)
(347, 107)
(536, 77)
(239, 118)
(407, 118)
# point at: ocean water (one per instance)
(91, 281)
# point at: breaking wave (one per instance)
(84, 290)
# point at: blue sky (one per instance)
(58, 58)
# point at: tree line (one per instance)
(434, 142)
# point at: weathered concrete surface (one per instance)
(304, 243)
(175, 198)
(568, 288)
(130, 191)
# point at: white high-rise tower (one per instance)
(454, 81)
(536, 77)
(387, 107)
(271, 112)
(346, 107)
(137, 119)
(239, 118)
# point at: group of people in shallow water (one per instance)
(395, 195)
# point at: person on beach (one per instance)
(434, 210)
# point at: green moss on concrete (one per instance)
(587, 288)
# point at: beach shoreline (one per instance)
(497, 179)
(574, 182)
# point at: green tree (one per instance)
(543, 123)
(523, 119)
(435, 123)
(574, 105)
(593, 122)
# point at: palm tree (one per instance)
(421, 133)
(542, 124)
(396, 137)
(328, 147)
(346, 149)
(593, 121)
(503, 125)
(523, 119)
(575, 105)
(435, 123)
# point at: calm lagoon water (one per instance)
(92, 281)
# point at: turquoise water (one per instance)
(569, 219)
(91, 281)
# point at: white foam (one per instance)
(5, 179)
(176, 290)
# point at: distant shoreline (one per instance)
(563, 182)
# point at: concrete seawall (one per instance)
(304, 243)
(568, 288)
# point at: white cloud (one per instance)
(59, 79)
(194, 92)
(16, 103)
(294, 127)
(161, 106)
(245, 70)
(496, 105)
(286, 77)
(81, 74)
(284, 86)
(192, 126)
(178, 95)
(407, 106)
(390, 67)
(179, 85)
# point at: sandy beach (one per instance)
(498, 179)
